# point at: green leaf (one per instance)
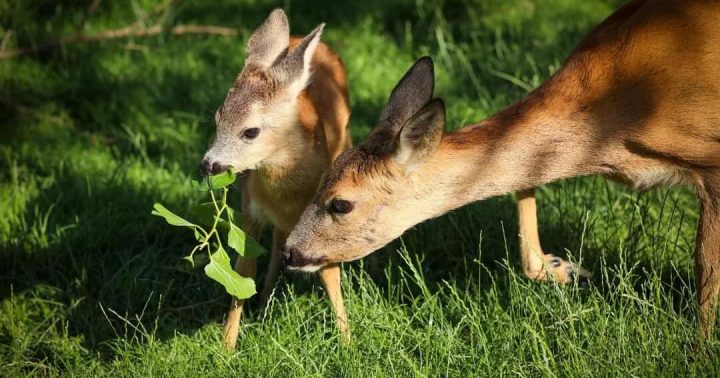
(217, 181)
(231, 214)
(198, 236)
(171, 217)
(219, 269)
(236, 239)
(222, 180)
(190, 260)
(243, 244)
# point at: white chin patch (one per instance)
(307, 268)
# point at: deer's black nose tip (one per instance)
(286, 255)
(218, 168)
(295, 258)
(205, 167)
(211, 168)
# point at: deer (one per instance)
(638, 100)
(282, 122)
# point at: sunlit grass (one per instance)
(92, 285)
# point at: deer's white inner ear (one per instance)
(269, 40)
(407, 151)
(421, 135)
(308, 55)
(402, 154)
(295, 70)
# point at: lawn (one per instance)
(93, 133)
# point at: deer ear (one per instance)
(421, 134)
(269, 40)
(413, 91)
(295, 69)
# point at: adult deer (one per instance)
(283, 127)
(638, 100)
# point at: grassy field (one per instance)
(93, 133)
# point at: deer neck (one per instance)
(297, 164)
(529, 144)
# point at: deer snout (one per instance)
(208, 167)
(287, 255)
(296, 259)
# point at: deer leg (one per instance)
(245, 267)
(330, 277)
(274, 267)
(536, 263)
(707, 256)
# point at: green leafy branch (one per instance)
(216, 219)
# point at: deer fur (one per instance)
(294, 92)
(638, 100)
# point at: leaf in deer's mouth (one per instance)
(217, 181)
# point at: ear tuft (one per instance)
(411, 93)
(422, 133)
(269, 40)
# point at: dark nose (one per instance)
(211, 168)
(293, 257)
(287, 255)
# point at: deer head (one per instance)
(258, 122)
(370, 195)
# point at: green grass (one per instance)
(92, 285)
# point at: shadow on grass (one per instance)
(450, 248)
(117, 261)
(120, 266)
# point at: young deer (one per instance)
(637, 100)
(283, 122)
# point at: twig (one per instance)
(204, 29)
(138, 28)
(134, 30)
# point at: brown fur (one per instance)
(282, 192)
(300, 134)
(637, 100)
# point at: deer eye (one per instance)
(251, 133)
(339, 206)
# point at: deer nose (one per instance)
(205, 166)
(293, 257)
(211, 168)
(287, 255)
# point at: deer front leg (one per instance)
(274, 266)
(707, 259)
(535, 262)
(246, 268)
(330, 277)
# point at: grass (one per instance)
(92, 285)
